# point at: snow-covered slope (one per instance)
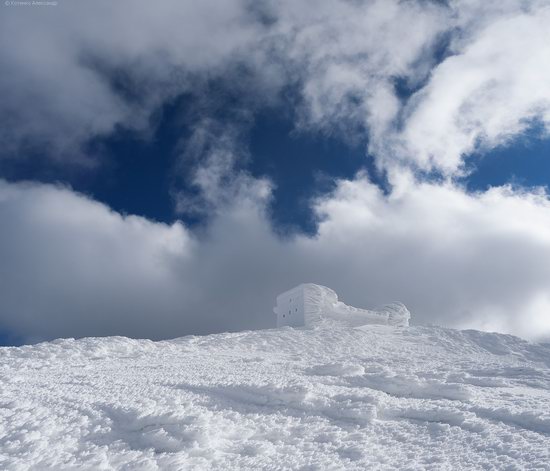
(333, 397)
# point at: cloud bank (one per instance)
(72, 267)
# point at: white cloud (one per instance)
(489, 92)
(490, 88)
(347, 55)
(456, 258)
(72, 267)
(61, 60)
(344, 57)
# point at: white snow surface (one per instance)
(328, 398)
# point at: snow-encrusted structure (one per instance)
(308, 303)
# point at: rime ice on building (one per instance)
(291, 306)
(307, 304)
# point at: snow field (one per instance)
(333, 397)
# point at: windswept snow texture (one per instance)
(331, 397)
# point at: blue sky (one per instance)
(136, 175)
(392, 150)
(523, 162)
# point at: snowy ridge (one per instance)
(330, 397)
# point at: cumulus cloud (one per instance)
(72, 267)
(80, 69)
(488, 92)
(347, 55)
(468, 260)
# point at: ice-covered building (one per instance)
(307, 304)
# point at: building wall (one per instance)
(290, 308)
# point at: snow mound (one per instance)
(329, 397)
(309, 304)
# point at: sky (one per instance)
(168, 168)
